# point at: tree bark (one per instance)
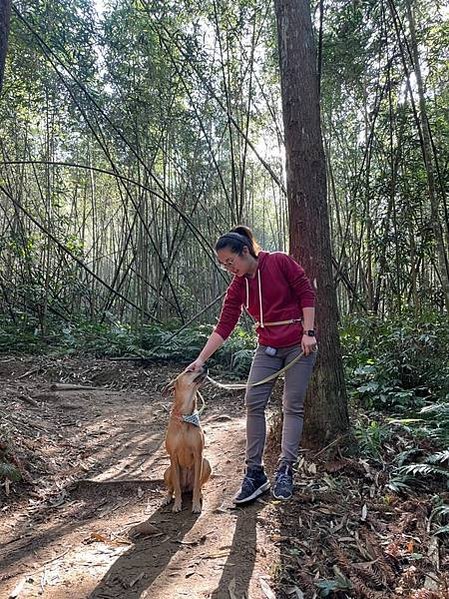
(326, 411)
(5, 14)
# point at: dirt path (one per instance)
(72, 536)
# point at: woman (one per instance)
(276, 292)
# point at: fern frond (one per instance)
(442, 409)
(10, 471)
(439, 512)
(398, 485)
(440, 457)
(423, 470)
(402, 457)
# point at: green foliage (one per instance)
(436, 420)
(241, 362)
(115, 339)
(440, 517)
(327, 588)
(371, 438)
(398, 364)
(400, 367)
(407, 477)
(8, 470)
(431, 422)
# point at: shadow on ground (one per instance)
(133, 572)
(239, 567)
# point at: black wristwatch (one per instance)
(310, 333)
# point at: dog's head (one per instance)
(186, 383)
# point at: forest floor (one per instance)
(87, 519)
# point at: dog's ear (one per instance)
(169, 388)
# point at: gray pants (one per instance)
(296, 380)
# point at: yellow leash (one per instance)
(240, 386)
(262, 325)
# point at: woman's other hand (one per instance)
(308, 344)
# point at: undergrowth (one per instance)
(114, 339)
(397, 376)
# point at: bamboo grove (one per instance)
(132, 134)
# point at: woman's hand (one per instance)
(308, 344)
(196, 365)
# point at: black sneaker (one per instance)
(283, 482)
(253, 485)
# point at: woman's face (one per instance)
(237, 264)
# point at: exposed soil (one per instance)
(86, 521)
(95, 459)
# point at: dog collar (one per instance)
(193, 418)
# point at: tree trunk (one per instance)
(326, 412)
(5, 13)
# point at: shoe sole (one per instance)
(281, 497)
(256, 494)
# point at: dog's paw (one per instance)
(176, 507)
(196, 508)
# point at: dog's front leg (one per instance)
(168, 483)
(196, 497)
(176, 480)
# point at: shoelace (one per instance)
(284, 478)
(248, 482)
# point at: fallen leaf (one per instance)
(217, 554)
(431, 582)
(136, 580)
(266, 589)
(97, 536)
(231, 589)
(334, 466)
(198, 541)
(145, 529)
(18, 589)
(279, 538)
(311, 468)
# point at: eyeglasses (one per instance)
(227, 264)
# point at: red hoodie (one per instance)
(282, 287)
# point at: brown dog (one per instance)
(184, 441)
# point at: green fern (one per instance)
(439, 457)
(406, 477)
(443, 530)
(398, 485)
(439, 409)
(423, 469)
(404, 456)
(10, 471)
(440, 511)
(440, 517)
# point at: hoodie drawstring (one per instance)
(261, 324)
(259, 281)
(259, 287)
